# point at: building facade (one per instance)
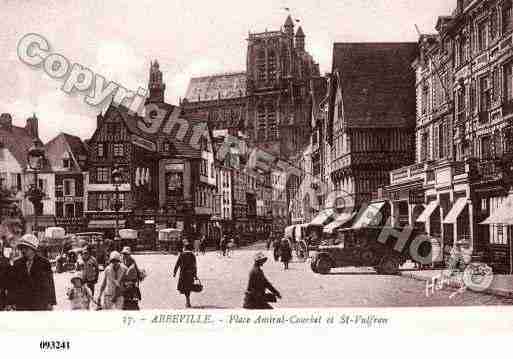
(269, 101)
(462, 171)
(67, 156)
(371, 116)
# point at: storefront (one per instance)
(499, 224)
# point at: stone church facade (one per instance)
(270, 102)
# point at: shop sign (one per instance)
(175, 167)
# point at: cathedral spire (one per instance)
(289, 26)
(156, 86)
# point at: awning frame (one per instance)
(454, 213)
(428, 211)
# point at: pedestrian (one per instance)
(285, 252)
(113, 283)
(269, 242)
(32, 286)
(276, 249)
(131, 296)
(5, 280)
(133, 272)
(186, 262)
(197, 244)
(79, 295)
(203, 244)
(259, 291)
(90, 269)
(224, 245)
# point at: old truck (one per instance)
(364, 247)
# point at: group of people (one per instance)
(27, 283)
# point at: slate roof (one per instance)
(62, 143)
(181, 147)
(377, 82)
(18, 141)
(224, 86)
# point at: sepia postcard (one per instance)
(199, 168)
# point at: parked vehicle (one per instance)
(128, 238)
(361, 248)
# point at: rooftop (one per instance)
(220, 86)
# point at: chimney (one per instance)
(6, 121)
(32, 126)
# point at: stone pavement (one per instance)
(225, 280)
(502, 284)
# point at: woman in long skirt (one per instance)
(188, 272)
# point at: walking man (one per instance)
(90, 270)
(32, 285)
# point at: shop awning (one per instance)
(503, 214)
(105, 223)
(323, 218)
(455, 211)
(339, 221)
(369, 215)
(428, 211)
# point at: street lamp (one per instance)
(35, 160)
(117, 178)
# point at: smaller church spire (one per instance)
(300, 39)
(156, 85)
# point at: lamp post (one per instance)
(35, 159)
(117, 178)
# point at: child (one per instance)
(79, 295)
(131, 296)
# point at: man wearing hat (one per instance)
(255, 296)
(32, 278)
(112, 285)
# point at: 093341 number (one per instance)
(54, 345)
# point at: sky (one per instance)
(118, 39)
